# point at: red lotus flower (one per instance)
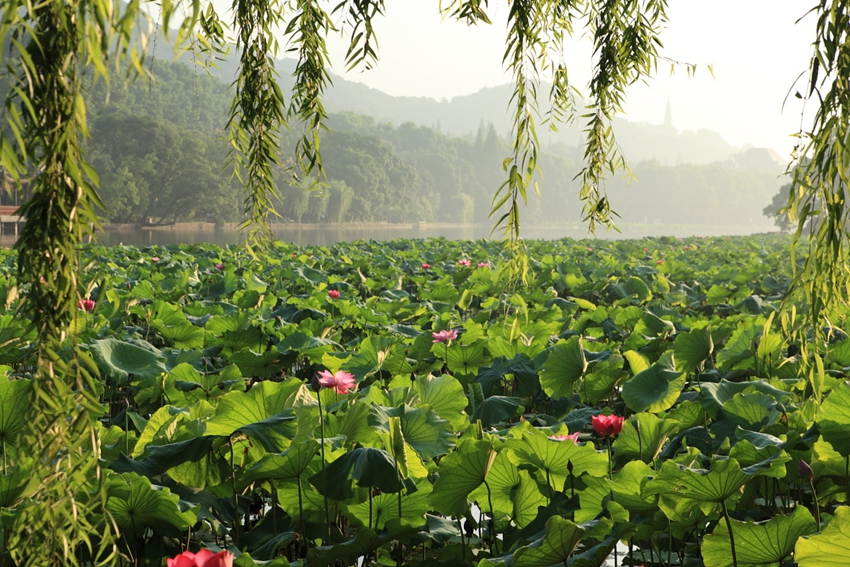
(607, 425)
(86, 304)
(219, 266)
(571, 437)
(659, 261)
(333, 294)
(444, 336)
(204, 558)
(342, 381)
(464, 262)
(426, 266)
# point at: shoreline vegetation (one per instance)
(569, 226)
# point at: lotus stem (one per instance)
(324, 474)
(731, 535)
(815, 504)
(301, 511)
(492, 519)
(235, 493)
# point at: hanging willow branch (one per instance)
(818, 196)
(64, 521)
(257, 113)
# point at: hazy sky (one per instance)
(756, 50)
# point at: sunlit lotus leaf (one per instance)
(763, 544)
(513, 492)
(136, 505)
(461, 472)
(532, 447)
(834, 419)
(429, 435)
(562, 537)
(633, 287)
(692, 348)
(655, 389)
(714, 395)
(724, 480)
(465, 359)
(643, 436)
(352, 424)
(830, 547)
(13, 407)
(566, 365)
(444, 393)
(384, 508)
(261, 412)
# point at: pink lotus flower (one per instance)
(464, 262)
(86, 304)
(444, 336)
(342, 381)
(646, 249)
(219, 266)
(590, 249)
(607, 425)
(333, 294)
(426, 266)
(659, 262)
(204, 558)
(687, 247)
(571, 437)
(483, 264)
(155, 259)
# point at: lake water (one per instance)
(331, 234)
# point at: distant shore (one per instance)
(202, 226)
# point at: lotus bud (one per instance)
(805, 471)
(315, 383)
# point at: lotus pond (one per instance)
(398, 404)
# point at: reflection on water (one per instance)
(331, 234)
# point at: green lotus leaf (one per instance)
(461, 472)
(429, 435)
(384, 508)
(159, 429)
(136, 505)
(643, 436)
(16, 484)
(513, 492)
(713, 396)
(365, 465)
(182, 335)
(633, 286)
(520, 367)
(692, 348)
(119, 359)
(13, 407)
(566, 365)
(628, 484)
(444, 393)
(261, 412)
(287, 465)
(353, 425)
(763, 544)
(834, 419)
(753, 411)
(830, 547)
(265, 365)
(556, 547)
(724, 480)
(366, 542)
(655, 389)
(532, 447)
(464, 359)
(497, 409)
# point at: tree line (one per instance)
(162, 157)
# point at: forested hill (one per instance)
(462, 116)
(161, 153)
